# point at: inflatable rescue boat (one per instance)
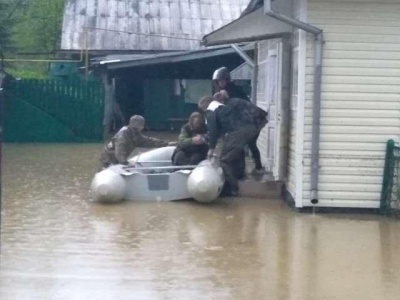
(154, 178)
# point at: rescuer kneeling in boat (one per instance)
(192, 147)
(126, 140)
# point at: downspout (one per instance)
(316, 112)
(252, 63)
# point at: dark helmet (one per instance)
(221, 74)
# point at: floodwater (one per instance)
(55, 244)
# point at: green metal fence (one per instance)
(390, 197)
(54, 111)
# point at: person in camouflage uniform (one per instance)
(192, 147)
(126, 140)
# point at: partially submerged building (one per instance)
(328, 131)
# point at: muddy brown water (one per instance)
(55, 244)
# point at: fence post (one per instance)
(388, 174)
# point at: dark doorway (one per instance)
(130, 96)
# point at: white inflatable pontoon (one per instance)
(154, 178)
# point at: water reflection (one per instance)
(58, 245)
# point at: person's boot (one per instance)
(258, 172)
(228, 191)
(234, 192)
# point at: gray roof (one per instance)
(116, 61)
(187, 20)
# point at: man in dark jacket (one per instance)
(192, 147)
(126, 140)
(237, 123)
(222, 80)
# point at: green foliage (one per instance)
(30, 26)
(29, 70)
(39, 26)
(6, 24)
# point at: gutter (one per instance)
(316, 112)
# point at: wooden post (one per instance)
(108, 106)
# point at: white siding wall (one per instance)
(291, 179)
(294, 180)
(360, 98)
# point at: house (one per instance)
(145, 50)
(328, 131)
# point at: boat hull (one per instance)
(153, 178)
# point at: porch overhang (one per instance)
(113, 62)
(254, 26)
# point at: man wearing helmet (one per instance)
(222, 82)
(126, 140)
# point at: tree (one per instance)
(6, 23)
(39, 26)
(37, 30)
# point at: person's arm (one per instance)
(121, 149)
(149, 142)
(184, 139)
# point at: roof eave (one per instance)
(172, 58)
(260, 27)
(248, 39)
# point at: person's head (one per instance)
(196, 120)
(218, 97)
(136, 122)
(221, 96)
(204, 103)
(224, 94)
(221, 77)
